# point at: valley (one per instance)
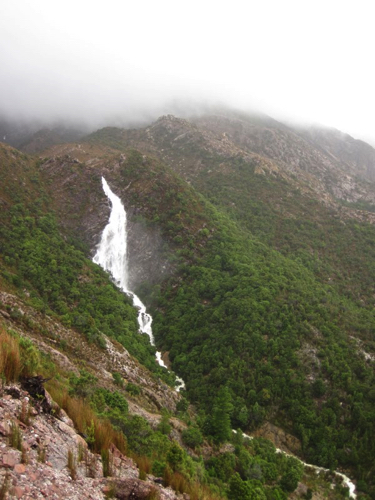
(252, 245)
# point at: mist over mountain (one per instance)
(234, 145)
(129, 62)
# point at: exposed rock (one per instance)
(20, 468)
(127, 489)
(10, 459)
(36, 475)
(271, 148)
(279, 438)
(132, 488)
(18, 492)
(34, 386)
(357, 156)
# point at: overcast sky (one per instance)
(118, 59)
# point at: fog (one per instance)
(121, 62)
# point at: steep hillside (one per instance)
(260, 284)
(39, 260)
(233, 311)
(53, 323)
(288, 207)
(357, 156)
(293, 153)
(62, 447)
(189, 145)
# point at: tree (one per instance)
(292, 475)
(244, 490)
(175, 456)
(164, 426)
(192, 437)
(221, 412)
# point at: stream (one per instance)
(345, 479)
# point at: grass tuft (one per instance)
(72, 464)
(107, 462)
(15, 437)
(5, 487)
(100, 432)
(25, 413)
(10, 358)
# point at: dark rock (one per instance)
(14, 392)
(34, 386)
(132, 489)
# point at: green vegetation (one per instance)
(297, 225)
(270, 327)
(192, 437)
(265, 317)
(18, 357)
(260, 324)
(61, 281)
(101, 415)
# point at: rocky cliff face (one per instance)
(74, 173)
(42, 456)
(356, 156)
(77, 195)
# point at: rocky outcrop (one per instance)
(79, 200)
(281, 439)
(74, 173)
(356, 156)
(272, 148)
(42, 456)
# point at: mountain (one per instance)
(33, 136)
(356, 156)
(290, 205)
(253, 247)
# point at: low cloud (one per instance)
(116, 63)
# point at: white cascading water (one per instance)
(111, 255)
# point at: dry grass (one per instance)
(107, 463)
(143, 463)
(72, 465)
(41, 454)
(153, 495)
(24, 455)
(100, 432)
(10, 357)
(25, 413)
(196, 491)
(179, 483)
(15, 437)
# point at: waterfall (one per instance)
(111, 255)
